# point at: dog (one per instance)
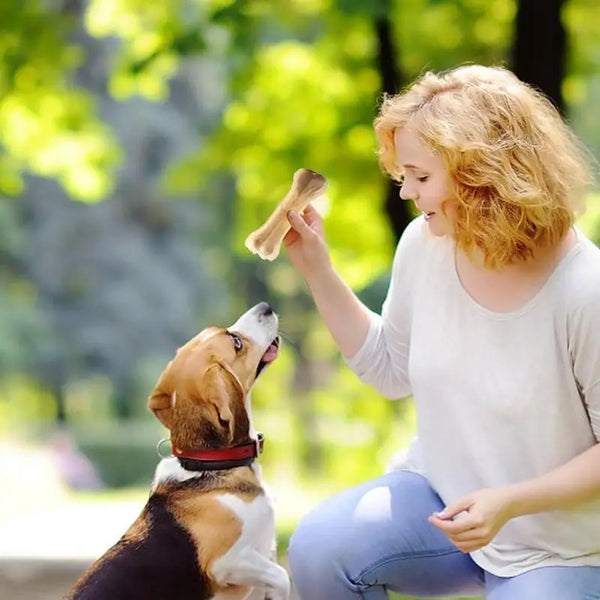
(208, 529)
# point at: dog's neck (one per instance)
(200, 444)
(193, 429)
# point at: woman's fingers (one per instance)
(298, 223)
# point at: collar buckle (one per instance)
(259, 443)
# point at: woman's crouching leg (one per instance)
(375, 537)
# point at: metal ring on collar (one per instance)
(159, 448)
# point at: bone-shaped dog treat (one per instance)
(266, 240)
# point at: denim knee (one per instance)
(313, 557)
(307, 559)
(372, 536)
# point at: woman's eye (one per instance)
(423, 179)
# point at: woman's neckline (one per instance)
(534, 298)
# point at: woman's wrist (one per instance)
(516, 506)
(320, 274)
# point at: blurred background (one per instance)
(140, 142)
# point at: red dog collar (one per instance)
(212, 459)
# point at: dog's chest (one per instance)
(257, 519)
(254, 512)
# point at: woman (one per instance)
(492, 324)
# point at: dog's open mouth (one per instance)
(269, 356)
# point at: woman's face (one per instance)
(426, 180)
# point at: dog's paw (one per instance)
(272, 595)
(261, 594)
(276, 595)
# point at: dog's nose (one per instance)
(264, 308)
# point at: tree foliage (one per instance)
(47, 125)
(189, 118)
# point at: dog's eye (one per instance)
(238, 344)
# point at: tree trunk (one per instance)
(539, 46)
(398, 211)
(61, 411)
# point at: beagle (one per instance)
(207, 530)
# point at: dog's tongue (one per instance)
(271, 354)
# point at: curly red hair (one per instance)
(517, 171)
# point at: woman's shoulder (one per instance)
(586, 264)
(581, 277)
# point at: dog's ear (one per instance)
(161, 404)
(222, 388)
(162, 399)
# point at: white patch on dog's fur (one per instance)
(247, 561)
(170, 469)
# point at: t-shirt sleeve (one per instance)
(382, 361)
(584, 343)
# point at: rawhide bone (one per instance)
(266, 240)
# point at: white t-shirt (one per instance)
(500, 397)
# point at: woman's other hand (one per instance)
(485, 513)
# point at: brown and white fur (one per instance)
(202, 534)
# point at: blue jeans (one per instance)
(375, 537)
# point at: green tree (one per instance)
(48, 125)
(280, 85)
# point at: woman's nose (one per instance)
(405, 192)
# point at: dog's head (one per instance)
(202, 396)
